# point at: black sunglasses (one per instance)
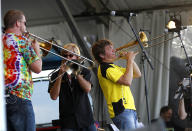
(70, 55)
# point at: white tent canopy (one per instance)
(42, 12)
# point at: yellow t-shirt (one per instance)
(118, 97)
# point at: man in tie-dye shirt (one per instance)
(21, 56)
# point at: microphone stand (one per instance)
(144, 57)
(190, 75)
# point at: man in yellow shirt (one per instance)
(115, 82)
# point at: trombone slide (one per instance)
(127, 45)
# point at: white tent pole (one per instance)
(2, 101)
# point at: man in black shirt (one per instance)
(166, 114)
(74, 107)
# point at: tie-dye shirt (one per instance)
(18, 55)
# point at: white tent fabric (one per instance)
(2, 91)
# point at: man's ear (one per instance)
(17, 23)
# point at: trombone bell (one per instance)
(143, 38)
(72, 67)
(46, 46)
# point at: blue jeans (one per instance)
(89, 128)
(127, 120)
(20, 114)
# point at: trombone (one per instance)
(144, 40)
(47, 45)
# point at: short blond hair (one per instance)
(72, 47)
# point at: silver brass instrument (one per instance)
(46, 46)
(72, 68)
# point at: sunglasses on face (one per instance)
(66, 55)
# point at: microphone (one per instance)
(122, 13)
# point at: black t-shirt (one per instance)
(171, 126)
(74, 106)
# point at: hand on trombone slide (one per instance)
(34, 43)
(63, 68)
